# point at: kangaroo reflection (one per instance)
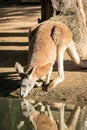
(43, 119)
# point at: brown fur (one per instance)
(48, 42)
(43, 122)
(42, 50)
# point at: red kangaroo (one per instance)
(48, 42)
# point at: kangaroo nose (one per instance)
(23, 94)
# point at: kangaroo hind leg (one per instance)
(60, 67)
(71, 50)
(75, 118)
(61, 123)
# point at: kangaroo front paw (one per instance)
(54, 83)
(45, 86)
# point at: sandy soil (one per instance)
(14, 24)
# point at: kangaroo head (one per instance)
(27, 108)
(27, 81)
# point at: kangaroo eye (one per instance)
(23, 91)
(24, 104)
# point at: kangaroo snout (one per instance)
(26, 86)
(27, 82)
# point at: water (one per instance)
(14, 114)
(11, 115)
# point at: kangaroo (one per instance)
(48, 42)
(45, 121)
(39, 119)
(61, 124)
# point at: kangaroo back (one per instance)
(48, 42)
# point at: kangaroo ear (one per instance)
(56, 35)
(19, 68)
(30, 71)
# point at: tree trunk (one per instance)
(46, 10)
(82, 47)
(51, 8)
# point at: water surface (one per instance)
(13, 116)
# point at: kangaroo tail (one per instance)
(71, 50)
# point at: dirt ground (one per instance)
(14, 24)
